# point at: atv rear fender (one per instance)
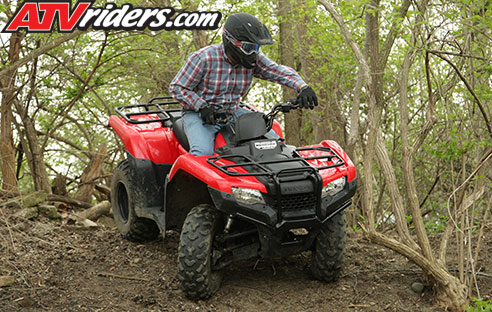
(147, 141)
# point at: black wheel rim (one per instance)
(123, 202)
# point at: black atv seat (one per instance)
(178, 128)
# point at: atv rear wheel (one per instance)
(130, 226)
(196, 248)
(329, 247)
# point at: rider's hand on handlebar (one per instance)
(307, 98)
(207, 113)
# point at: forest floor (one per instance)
(62, 267)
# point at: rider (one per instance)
(221, 74)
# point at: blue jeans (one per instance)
(202, 137)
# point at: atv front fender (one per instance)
(198, 167)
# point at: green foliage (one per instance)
(356, 228)
(436, 225)
(480, 305)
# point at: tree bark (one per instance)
(394, 193)
(7, 83)
(90, 175)
(408, 154)
(96, 211)
(59, 186)
(68, 200)
(293, 120)
(32, 147)
(450, 291)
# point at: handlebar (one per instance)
(224, 116)
(284, 107)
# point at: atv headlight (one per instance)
(247, 196)
(333, 187)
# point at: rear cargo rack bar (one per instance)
(244, 160)
(154, 106)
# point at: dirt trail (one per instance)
(66, 268)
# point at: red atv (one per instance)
(255, 197)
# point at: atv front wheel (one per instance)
(130, 226)
(329, 247)
(196, 245)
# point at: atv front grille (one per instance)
(296, 202)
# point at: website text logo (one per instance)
(48, 16)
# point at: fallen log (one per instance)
(68, 200)
(103, 189)
(96, 211)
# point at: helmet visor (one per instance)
(246, 47)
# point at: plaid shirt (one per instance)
(208, 77)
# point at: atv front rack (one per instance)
(260, 170)
(154, 106)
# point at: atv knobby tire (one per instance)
(123, 192)
(329, 247)
(198, 279)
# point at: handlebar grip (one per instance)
(293, 101)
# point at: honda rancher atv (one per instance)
(255, 197)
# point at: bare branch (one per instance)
(374, 115)
(348, 37)
(40, 51)
(469, 87)
(390, 39)
(460, 55)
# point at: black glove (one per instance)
(207, 113)
(307, 98)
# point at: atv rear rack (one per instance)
(263, 171)
(154, 106)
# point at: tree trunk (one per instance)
(451, 293)
(90, 175)
(293, 120)
(59, 186)
(7, 83)
(32, 147)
